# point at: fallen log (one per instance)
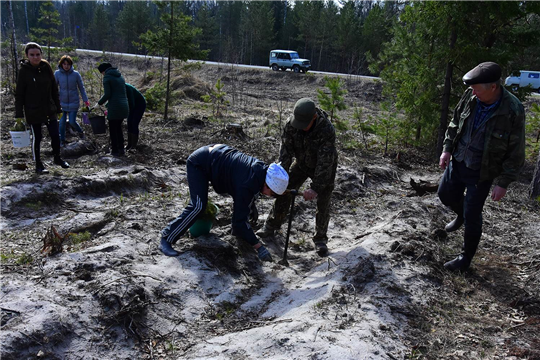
(421, 187)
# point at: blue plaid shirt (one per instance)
(483, 112)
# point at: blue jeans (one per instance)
(72, 121)
(456, 179)
(198, 169)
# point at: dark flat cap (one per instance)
(304, 109)
(104, 66)
(484, 73)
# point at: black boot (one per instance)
(130, 139)
(59, 161)
(461, 263)
(265, 231)
(40, 169)
(321, 248)
(166, 248)
(133, 139)
(454, 224)
(117, 150)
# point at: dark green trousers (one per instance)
(280, 210)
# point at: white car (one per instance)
(526, 77)
(287, 59)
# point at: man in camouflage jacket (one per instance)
(484, 143)
(308, 138)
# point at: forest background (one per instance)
(419, 49)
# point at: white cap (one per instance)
(277, 178)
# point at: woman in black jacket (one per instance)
(37, 95)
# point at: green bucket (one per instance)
(201, 227)
(204, 224)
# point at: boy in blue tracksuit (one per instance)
(230, 172)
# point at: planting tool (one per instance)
(294, 193)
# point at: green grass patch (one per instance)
(11, 257)
(79, 238)
(24, 259)
(35, 206)
(4, 258)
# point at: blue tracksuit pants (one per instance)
(198, 170)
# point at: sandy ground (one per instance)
(100, 289)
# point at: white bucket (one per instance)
(20, 138)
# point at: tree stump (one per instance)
(234, 130)
(194, 122)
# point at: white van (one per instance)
(526, 77)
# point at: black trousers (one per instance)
(117, 137)
(37, 136)
(461, 191)
(134, 118)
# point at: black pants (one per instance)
(456, 179)
(117, 137)
(37, 136)
(198, 168)
(134, 118)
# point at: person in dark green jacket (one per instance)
(114, 88)
(37, 100)
(484, 144)
(308, 150)
(137, 106)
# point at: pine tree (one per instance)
(376, 30)
(133, 20)
(217, 99)
(257, 23)
(386, 125)
(348, 35)
(432, 39)
(175, 39)
(363, 126)
(206, 20)
(335, 101)
(99, 31)
(229, 31)
(47, 33)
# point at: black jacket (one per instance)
(36, 93)
(241, 176)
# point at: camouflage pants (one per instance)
(278, 214)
